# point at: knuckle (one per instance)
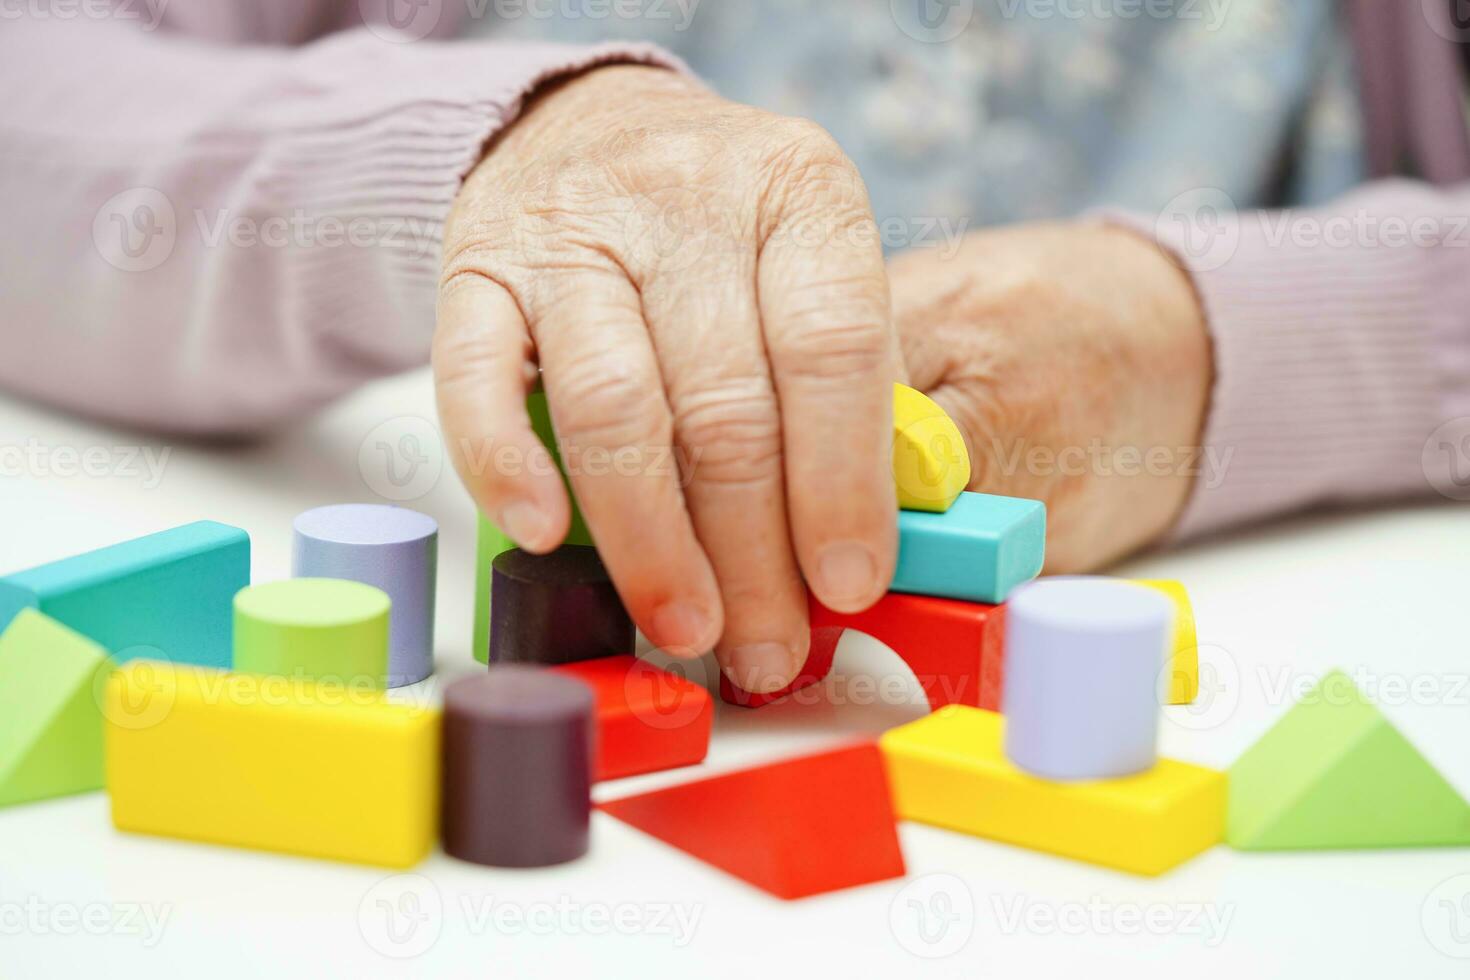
(833, 340)
(607, 400)
(808, 164)
(733, 429)
(807, 141)
(470, 353)
(668, 155)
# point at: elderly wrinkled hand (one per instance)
(694, 275)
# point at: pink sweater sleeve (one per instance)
(1342, 351)
(214, 239)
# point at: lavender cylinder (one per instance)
(392, 548)
(1084, 661)
(517, 774)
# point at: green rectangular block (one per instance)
(491, 541)
(166, 596)
(978, 550)
(50, 712)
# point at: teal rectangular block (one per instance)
(980, 549)
(166, 596)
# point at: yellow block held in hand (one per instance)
(276, 763)
(950, 770)
(930, 463)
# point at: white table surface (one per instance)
(1385, 592)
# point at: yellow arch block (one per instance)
(930, 463)
(1184, 668)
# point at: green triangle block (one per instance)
(50, 718)
(1334, 773)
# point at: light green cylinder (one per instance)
(317, 628)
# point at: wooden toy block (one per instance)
(930, 463)
(391, 548)
(1335, 773)
(517, 767)
(978, 550)
(1083, 663)
(556, 608)
(953, 648)
(1184, 666)
(491, 541)
(315, 628)
(163, 596)
(647, 719)
(50, 720)
(794, 828)
(278, 764)
(948, 770)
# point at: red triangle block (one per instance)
(795, 828)
(648, 719)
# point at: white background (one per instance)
(1385, 592)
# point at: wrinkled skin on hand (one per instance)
(697, 276)
(1075, 361)
(692, 273)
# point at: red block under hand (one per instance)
(647, 719)
(793, 828)
(953, 647)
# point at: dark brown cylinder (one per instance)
(555, 609)
(517, 767)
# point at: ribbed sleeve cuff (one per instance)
(369, 144)
(1339, 346)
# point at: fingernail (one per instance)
(847, 571)
(681, 628)
(761, 668)
(524, 522)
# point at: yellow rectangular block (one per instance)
(1184, 668)
(277, 763)
(950, 770)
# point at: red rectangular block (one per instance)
(647, 719)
